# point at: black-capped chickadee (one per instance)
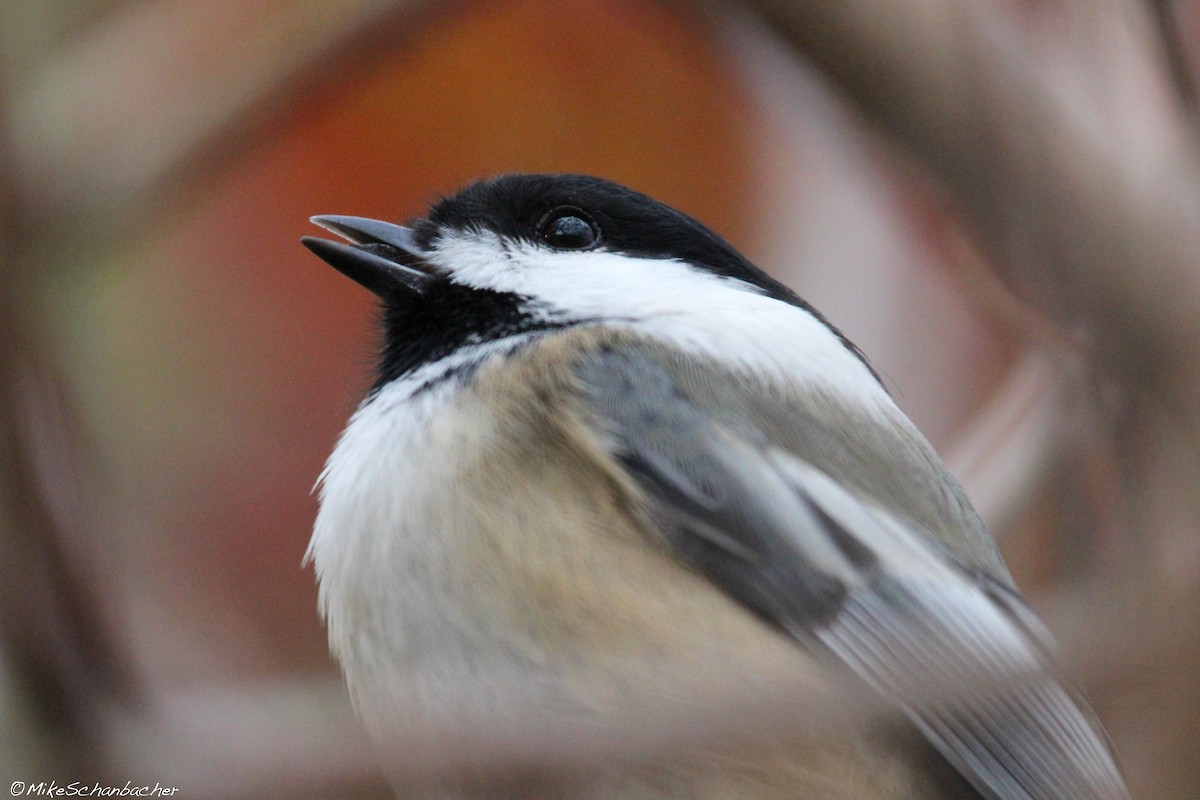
(604, 449)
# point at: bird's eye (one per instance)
(569, 229)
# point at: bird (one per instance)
(603, 452)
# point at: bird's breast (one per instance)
(481, 559)
(469, 548)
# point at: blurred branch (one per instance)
(1005, 451)
(51, 625)
(1175, 53)
(1096, 240)
(117, 111)
(53, 635)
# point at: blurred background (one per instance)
(999, 200)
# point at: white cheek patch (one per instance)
(691, 308)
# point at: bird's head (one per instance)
(516, 254)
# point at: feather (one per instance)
(835, 568)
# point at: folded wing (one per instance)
(851, 579)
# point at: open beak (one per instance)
(382, 257)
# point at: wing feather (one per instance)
(837, 571)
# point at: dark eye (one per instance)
(569, 229)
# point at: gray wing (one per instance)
(842, 574)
